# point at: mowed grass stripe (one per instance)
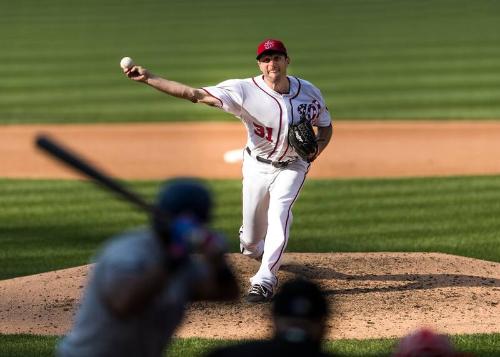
(53, 224)
(380, 59)
(377, 52)
(365, 55)
(480, 345)
(403, 97)
(427, 74)
(466, 112)
(46, 57)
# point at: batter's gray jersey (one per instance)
(97, 332)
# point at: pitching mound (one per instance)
(373, 295)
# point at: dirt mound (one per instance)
(373, 294)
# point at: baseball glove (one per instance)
(302, 138)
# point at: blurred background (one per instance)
(372, 59)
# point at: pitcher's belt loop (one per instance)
(278, 164)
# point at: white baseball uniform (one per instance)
(273, 173)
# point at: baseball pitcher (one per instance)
(279, 112)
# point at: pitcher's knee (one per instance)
(252, 250)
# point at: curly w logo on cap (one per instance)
(271, 45)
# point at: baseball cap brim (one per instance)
(271, 52)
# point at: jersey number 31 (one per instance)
(263, 132)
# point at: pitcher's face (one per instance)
(273, 66)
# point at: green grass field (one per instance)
(53, 224)
(43, 346)
(378, 59)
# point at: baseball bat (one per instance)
(98, 176)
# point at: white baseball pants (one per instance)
(268, 196)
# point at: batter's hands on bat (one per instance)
(214, 245)
(137, 73)
(220, 283)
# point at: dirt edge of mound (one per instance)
(373, 295)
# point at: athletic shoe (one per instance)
(259, 293)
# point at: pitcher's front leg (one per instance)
(283, 194)
(255, 206)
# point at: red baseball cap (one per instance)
(270, 45)
(425, 341)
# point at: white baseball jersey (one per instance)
(269, 189)
(267, 114)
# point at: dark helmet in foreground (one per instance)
(182, 197)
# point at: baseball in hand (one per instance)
(126, 62)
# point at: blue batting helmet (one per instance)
(180, 199)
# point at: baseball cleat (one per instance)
(259, 293)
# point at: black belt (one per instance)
(278, 164)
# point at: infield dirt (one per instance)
(375, 294)
(157, 151)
